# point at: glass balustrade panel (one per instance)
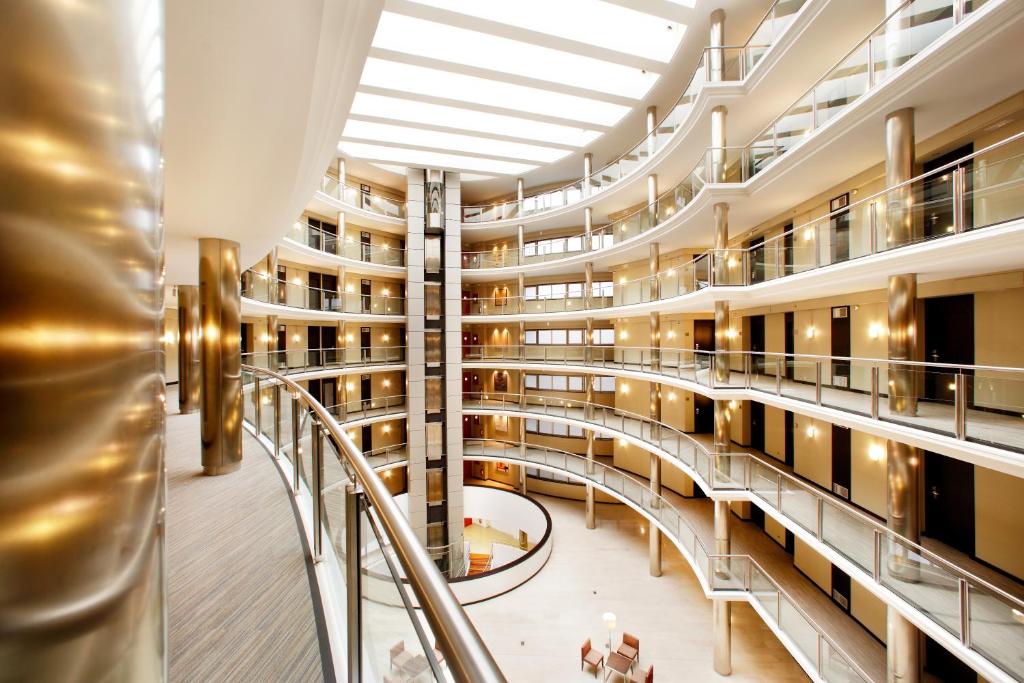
(995, 408)
(926, 584)
(997, 628)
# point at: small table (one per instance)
(618, 663)
(627, 651)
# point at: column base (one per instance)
(217, 470)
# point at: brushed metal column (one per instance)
(903, 649)
(188, 348)
(588, 170)
(652, 124)
(902, 344)
(721, 610)
(722, 342)
(654, 536)
(716, 39)
(718, 143)
(81, 357)
(520, 191)
(721, 244)
(221, 356)
(588, 229)
(722, 437)
(272, 355)
(652, 197)
(653, 266)
(591, 516)
(520, 242)
(521, 285)
(588, 288)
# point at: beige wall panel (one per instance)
(868, 472)
(868, 610)
(999, 519)
(816, 567)
(812, 450)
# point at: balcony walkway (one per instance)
(238, 593)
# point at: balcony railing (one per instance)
(977, 403)
(980, 190)
(296, 361)
(717, 573)
(263, 288)
(726, 63)
(983, 617)
(354, 517)
(359, 198)
(330, 243)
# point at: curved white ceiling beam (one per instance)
(257, 97)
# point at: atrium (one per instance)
(459, 340)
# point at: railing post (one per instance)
(960, 405)
(256, 399)
(818, 653)
(778, 492)
(958, 11)
(874, 392)
(872, 219)
(876, 568)
(277, 420)
(817, 382)
(965, 611)
(959, 210)
(778, 376)
(820, 518)
(296, 430)
(353, 591)
(316, 484)
(748, 361)
(871, 66)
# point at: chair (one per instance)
(643, 677)
(400, 657)
(589, 655)
(630, 646)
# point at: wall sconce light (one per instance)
(386, 429)
(352, 435)
(298, 225)
(296, 338)
(808, 234)
(349, 386)
(730, 333)
(875, 330)
(385, 246)
(622, 280)
(876, 452)
(732, 405)
(811, 332)
(386, 291)
(623, 442)
(348, 337)
(266, 338)
(296, 280)
(624, 388)
(671, 334)
(386, 383)
(811, 432)
(672, 396)
(732, 262)
(385, 337)
(349, 289)
(623, 335)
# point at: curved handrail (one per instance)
(703, 269)
(647, 144)
(467, 656)
(261, 287)
(343, 246)
(315, 360)
(355, 196)
(822, 515)
(719, 573)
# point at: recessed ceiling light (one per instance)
(433, 40)
(437, 83)
(420, 158)
(405, 135)
(412, 111)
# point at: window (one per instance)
(604, 337)
(603, 289)
(601, 241)
(576, 336)
(531, 381)
(558, 382)
(546, 428)
(575, 290)
(604, 384)
(559, 337)
(575, 383)
(531, 336)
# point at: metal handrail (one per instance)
(877, 526)
(399, 203)
(465, 653)
(662, 501)
(340, 361)
(701, 63)
(341, 241)
(326, 294)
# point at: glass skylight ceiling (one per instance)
(501, 87)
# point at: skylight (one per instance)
(448, 85)
(601, 24)
(416, 157)
(382, 132)
(469, 120)
(411, 35)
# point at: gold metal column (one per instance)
(588, 288)
(723, 438)
(188, 348)
(902, 650)
(716, 39)
(521, 285)
(221, 356)
(588, 229)
(721, 610)
(652, 124)
(591, 516)
(718, 143)
(720, 256)
(654, 537)
(722, 342)
(81, 357)
(652, 197)
(272, 355)
(655, 533)
(588, 170)
(653, 266)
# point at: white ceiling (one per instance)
(501, 89)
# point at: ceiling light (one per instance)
(412, 111)
(433, 40)
(422, 158)
(425, 81)
(394, 134)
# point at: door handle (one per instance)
(934, 492)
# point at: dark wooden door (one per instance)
(757, 361)
(949, 501)
(703, 415)
(757, 425)
(840, 336)
(841, 462)
(948, 338)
